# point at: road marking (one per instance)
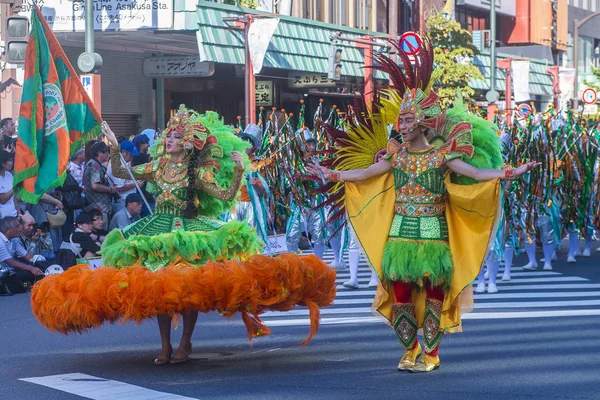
(484, 315)
(499, 305)
(95, 388)
(496, 296)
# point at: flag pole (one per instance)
(135, 183)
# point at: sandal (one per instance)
(184, 359)
(162, 361)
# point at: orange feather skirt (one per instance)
(82, 298)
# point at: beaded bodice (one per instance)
(419, 182)
(171, 194)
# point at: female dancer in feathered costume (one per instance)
(422, 216)
(181, 259)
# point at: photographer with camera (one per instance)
(35, 239)
(98, 190)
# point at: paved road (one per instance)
(536, 339)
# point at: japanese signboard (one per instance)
(177, 66)
(265, 93)
(109, 15)
(300, 81)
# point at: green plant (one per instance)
(453, 55)
(243, 3)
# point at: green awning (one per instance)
(297, 45)
(540, 82)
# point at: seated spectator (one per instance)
(8, 202)
(25, 269)
(34, 239)
(98, 223)
(129, 214)
(80, 242)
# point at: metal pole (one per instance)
(135, 183)
(575, 63)
(89, 26)
(493, 44)
(160, 103)
(250, 84)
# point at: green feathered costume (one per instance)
(166, 237)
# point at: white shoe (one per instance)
(373, 283)
(530, 267)
(492, 288)
(586, 253)
(506, 277)
(571, 260)
(480, 288)
(598, 249)
(351, 285)
(577, 253)
(547, 267)
(333, 265)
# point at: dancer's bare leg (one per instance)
(185, 345)
(164, 326)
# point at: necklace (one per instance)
(174, 168)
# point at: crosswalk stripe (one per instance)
(481, 315)
(546, 292)
(92, 387)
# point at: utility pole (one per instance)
(492, 96)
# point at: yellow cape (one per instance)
(471, 215)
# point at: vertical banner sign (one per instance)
(520, 75)
(260, 33)
(566, 80)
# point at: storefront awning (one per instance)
(540, 82)
(297, 45)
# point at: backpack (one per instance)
(72, 199)
(9, 283)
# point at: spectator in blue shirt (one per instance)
(129, 214)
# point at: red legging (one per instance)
(403, 292)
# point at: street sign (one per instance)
(411, 43)
(590, 109)
(589, 96)
(177, 67)
(524, 110)
(492, 96)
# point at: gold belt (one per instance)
(420, 209)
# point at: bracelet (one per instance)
(509, 173)
(335, 176)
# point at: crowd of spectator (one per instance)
(71, 222)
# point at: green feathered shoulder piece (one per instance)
(472, 138)
(228, 142)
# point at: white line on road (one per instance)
(499, 305)
(500, 315)
(502, 287)
(95, 388)
(496, 296)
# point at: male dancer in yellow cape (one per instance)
(425, 236)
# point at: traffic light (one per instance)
(16, 35)
(334, 72)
